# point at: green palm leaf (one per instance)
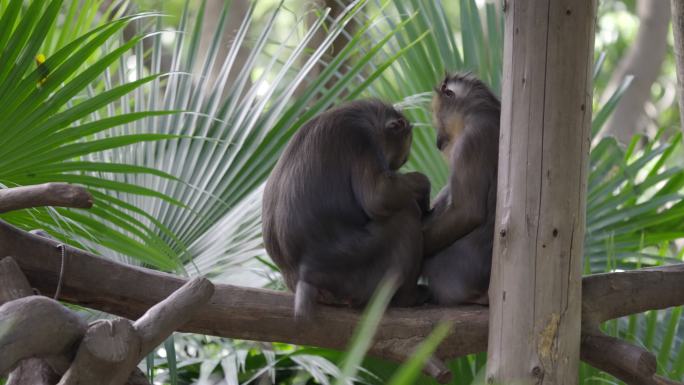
(51, 125)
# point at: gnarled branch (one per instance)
(108, 350)
(111, 349)
(47, 328)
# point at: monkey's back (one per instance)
(309, 201)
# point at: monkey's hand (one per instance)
(382, 193)
(419, 184)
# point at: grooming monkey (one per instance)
(337, 216)
(459, 233)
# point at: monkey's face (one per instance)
(397, 135)
(448, 110)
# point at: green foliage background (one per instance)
(175, 142)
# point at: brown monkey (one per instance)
(459, 232)
(337, 216)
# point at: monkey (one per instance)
(337, 216)
(459, 232)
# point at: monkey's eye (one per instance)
(447, 91)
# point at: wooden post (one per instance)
(535, 290)
(678, 32)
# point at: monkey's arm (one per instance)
(384, 192)
(466, 207)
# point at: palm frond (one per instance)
(50, 123)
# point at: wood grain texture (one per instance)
(535, 290)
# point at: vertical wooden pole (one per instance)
(677, 7)
(535, 290)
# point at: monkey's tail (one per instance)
(305, 300)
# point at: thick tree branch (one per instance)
(235, 312)
(614, 295)
(47, 329)
(266, 315)
(627, 362)
(107, 355)
(34, 371)
(14, 282)
(111, 349)
(630, 363)
(165, 317)
(47, 194)
(39, 317)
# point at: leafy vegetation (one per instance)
(176, 140)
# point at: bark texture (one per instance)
(535, 289)
(266, 315)
(47, 194)
(44, 343)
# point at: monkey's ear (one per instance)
(398, 126)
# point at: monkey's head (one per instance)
(390, 127)
(457, 97)
(396, 138)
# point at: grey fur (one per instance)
(460, 229)
(336, 213)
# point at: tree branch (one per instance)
(107, 354)
(14, 282)
(47, 329)
(39, 317)
(233, 311)
(615, 295)
(165, 317)
(265, 315)
(630, 363)
(627, 362)
(111, 349)
(34, 371)
(47, 194)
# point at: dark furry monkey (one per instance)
(459, 233)
(337, 216)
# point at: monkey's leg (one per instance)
(460, 273)
(402, 241)
(351, 263)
